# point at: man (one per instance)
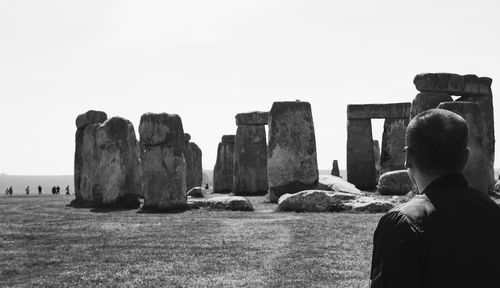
(39, 190)
(449, 235)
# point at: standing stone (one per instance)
(223, 170)
(118, 174)
(476, 170)
(194, 170)
(250, 160)
(292, 160)
(427, 100)
(393, 141)
(163, 164)
(360, 157)
(376, 155)
(335, 168)
(90, 161)
(86, 154)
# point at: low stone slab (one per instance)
(233, 203)
(252, 118)
(454, 84)
(314, 201)
(396, 182)
(369, 111)
(90, 117)
(336, 184)
(369, 205)
(195, 192)
(329, 201)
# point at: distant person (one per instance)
(67, 190)
(11, 191)
(27, 190)
(7, 191)
(53, 190)
(39, 190)
(58, 189)
(206, 186)
(449, 235)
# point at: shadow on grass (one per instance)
(165, 210)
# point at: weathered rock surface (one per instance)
(195, 192)
(118, 173)
(394, 183)
(335, 169)
(292, 160)
(454, 84)
(90, 117)
(369, 111)
(250, 160)
(162, 161)
(477, 169)
(328, 201)
(252, 118)
(223, 169)
(360, 157)
(314, 201)
(393, 140)
(162, 129)
(369, 205)
(86, 155)
(194, 169)
(337, 184)
(427, 100)
(89, 161)
(233, 203)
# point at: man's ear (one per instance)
(408, 159)
(466, 156)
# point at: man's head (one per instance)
(436, 142)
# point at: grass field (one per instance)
(44, 243)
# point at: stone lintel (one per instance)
(369, 111)
(454, 84)
(252, 118)
(228, 138)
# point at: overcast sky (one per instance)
(209, 60)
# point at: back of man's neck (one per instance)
(423, 180)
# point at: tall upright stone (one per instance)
(376, 157)
(292, 161)
(476, 170)
(163, 165)
(223, 169)
(86, 155)
(393, 141)
(118, 173)
(250, 154)
(335, 168)
(250, 160)
(427, 100)
(471, 89)
(360, 157)
(194, 170)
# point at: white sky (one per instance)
(209, 60)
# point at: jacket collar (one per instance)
(451, 181)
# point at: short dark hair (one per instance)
(438, 140)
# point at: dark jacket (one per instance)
(447, 237)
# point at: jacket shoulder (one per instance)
(417, 211)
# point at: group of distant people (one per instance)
(55, 190)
